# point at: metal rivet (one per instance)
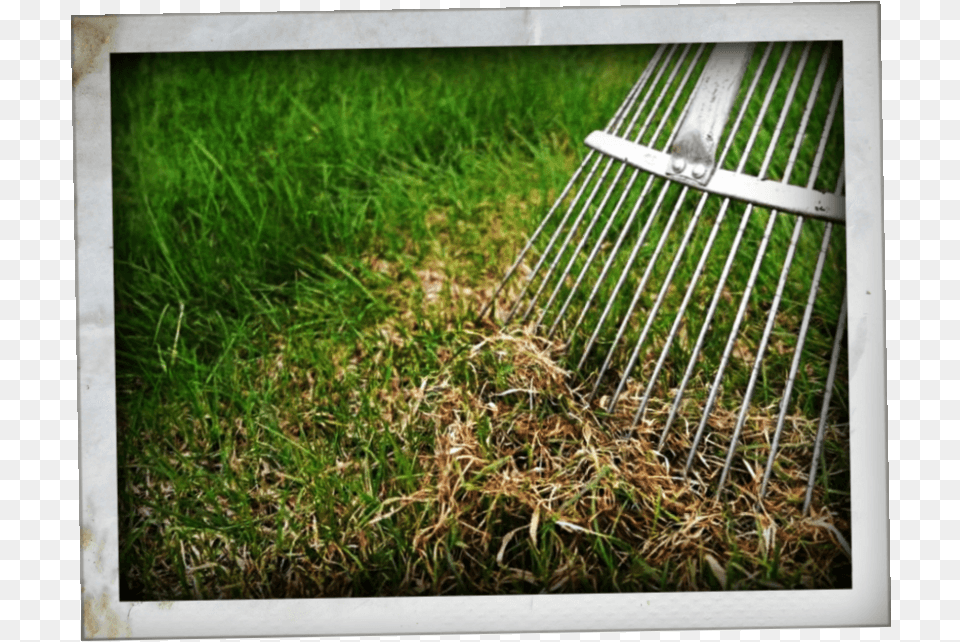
(698, 170)
(679, 164)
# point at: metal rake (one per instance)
(735, 134)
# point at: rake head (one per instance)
(694, 262)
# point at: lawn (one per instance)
(309, 404)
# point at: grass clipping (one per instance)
(528, 490)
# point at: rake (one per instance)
(713, 154)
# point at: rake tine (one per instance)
(713, 235)
(576, 200)
(668, 279)
(745, 219)
(794, 366)
(596, 247)
(761, 350)
(612, 126)
(731, 255)
(536, 234)
(553, 238)
(713, 306)
(788, 261)
(656, 305)
(626, 270)
(576, 224)
(714, 389)
(616, 209)
(621, 116)
(613, 255)
(636, 297)
(821, 430)
(629, 262)
(662, 69)
(566, 241)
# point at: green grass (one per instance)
(302, 241)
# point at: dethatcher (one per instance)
(695, 259)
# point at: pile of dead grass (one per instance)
(516, 445)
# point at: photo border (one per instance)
(857, 25)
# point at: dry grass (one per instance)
(567, 478)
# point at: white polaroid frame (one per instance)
(857, 25)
